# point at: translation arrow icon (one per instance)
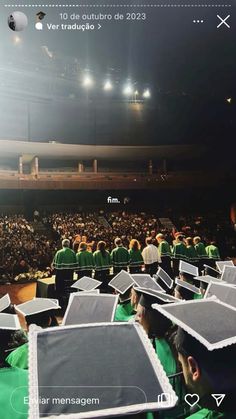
(218, 398)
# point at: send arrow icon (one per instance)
(218, 398)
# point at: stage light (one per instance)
(108, 85)
(88, 81)
(17, 40)
(229, 100)
(146, 94)
(128, 90)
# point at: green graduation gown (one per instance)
(201, 250)
(136, 259)
(210, 414)
(102, 262)
(13, 393)
(124, 312)
(19, 357)
(192, 255)
(164, 249)
(120, 257)
(213, 252)
(65, 259)
(85, 260)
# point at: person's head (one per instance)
(184, 276)
(183, 293)
(118, 242)
(180, 238)
(65, 243)
(44, 319)
(101, 246)
(125, 297)
(82, 246)
(189, 241)
(160, 237)
(153, 322)
(206, 372)
(196, 240)
(148, 240)
(134, 298)
(134, 244)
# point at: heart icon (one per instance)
(191, 399)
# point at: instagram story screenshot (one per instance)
(117, 209)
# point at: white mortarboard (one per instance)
(164, 277)
(97, 291)
(221, 263)
(188, 268)
(86, 284)
(211, 268)
(89, 308)
(151, 297)
(4, 302)
(209, 321)
(9, 322)
(146, 281)
(229, 274)
(187, 286)
(122, 282)
(104, 350)
(36, 306)
(224, 292)
(208, 279)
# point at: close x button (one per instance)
(223, 22)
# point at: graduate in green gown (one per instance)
(120, 257)
(201, 252)
(85, 261)
(206, 373)
(179, 252)
(206, 356)
(102, 261)
(122, 286)
(20, 357)
(136, 259)
(165, 254)
(64, 264)
(13, 381)
(125, 311)
(158, 328)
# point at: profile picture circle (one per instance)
(17, 21)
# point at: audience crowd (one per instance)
(24, 250)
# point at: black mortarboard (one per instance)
(118, 384)
(224, 292)
(221, 263)
(86, 284)
(188, 286)
(122, 282)
(163, 275)
(36, 306)
(188, 268)
(149, 297)
(146, 281)
(209, 321)
(9, 322)
(4, 302)
(229, 274)
(89, 308)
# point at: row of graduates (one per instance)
(185, 362)
(84, 261)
